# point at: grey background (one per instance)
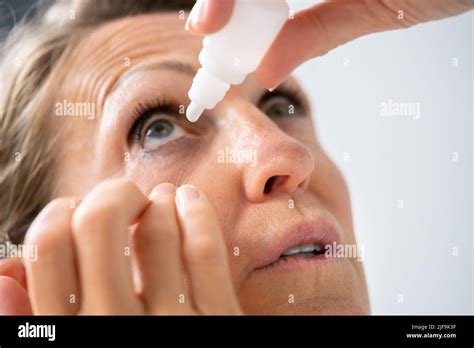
(11, 11)
(409, 253)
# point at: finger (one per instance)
(205, 254)
(323, 27)
(13, 298)
(158, 244)
(101, 235)
(312, 32)
(209, 16)
(13, 268)
(52, 277)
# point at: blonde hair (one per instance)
(29, 56)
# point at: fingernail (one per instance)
(194, 15)
(162, 190)
(186, 193)
(273, 88)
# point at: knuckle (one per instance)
(46, 229)
(121, 184)
(102, 206)
(43, 236)
(88, 218)
(109, 189)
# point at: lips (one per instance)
(301, 243)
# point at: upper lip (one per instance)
(321, 232)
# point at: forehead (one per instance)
(111, 49)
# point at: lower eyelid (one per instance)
(182, 146)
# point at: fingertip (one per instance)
(193, 206)
(268, 79)
(275, 67)
(162, 190)
(186, 195)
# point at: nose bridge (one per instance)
(275, 161)
(246, 127)
(240, 111)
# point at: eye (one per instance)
(279, 105)
(155, 129)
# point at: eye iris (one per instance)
(278, 109)
(160, 129)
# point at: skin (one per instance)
(122, 197)
(13, 288)
(320, 28)
(109, 194)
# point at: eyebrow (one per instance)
(173, 65)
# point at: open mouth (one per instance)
(303, 244)
(303, 251)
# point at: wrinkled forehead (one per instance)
(111, 49)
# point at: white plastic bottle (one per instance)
(229, 55)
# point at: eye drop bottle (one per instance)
(229, 55)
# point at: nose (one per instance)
(283, 165)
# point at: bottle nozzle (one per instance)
(194, 111)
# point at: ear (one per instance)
(13, 290)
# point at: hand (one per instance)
(325, 26)
(82, 254)
(13, 296)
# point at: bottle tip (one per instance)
(193, 112)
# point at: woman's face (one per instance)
(255, 156)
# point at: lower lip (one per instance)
(296, 262)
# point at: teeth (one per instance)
(308, 248)
(292, 251)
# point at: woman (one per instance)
(134, 210)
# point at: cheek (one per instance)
(147, 173)
(331, 188)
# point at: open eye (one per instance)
(154, 129)
(280, 104)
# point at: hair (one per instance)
(29, 55)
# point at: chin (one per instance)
(349, 306)
(325, 288)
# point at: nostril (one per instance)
(269, 184)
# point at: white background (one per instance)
(410, 252)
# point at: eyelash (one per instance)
(145, 110)
(293, 94)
